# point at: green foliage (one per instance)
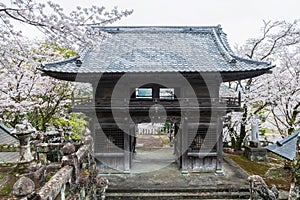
(166, 127)
(75, 137)
(262, 115)
(75, 122)
(66, 52)
(262, 131)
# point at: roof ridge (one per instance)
(65, 61)
(222, 48)
(251, 61)
(81, 55)
(288, 138)
(117, 29)
(223, 37)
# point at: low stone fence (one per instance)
(76, 179)
(73, 174)
(56, 185)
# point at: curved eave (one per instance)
(61, 75)
(92, 77)
(239, 75)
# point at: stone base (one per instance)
(256, 154)
(219, 173)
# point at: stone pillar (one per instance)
(23, 132)
(254, 130)
(254, 133)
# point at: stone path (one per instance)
(156, 169)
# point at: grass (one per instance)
(273, 172)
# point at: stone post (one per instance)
(23, 132)
(254, 133)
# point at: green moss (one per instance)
(250, 167)
(48, 177)
(5, 190)
(277, 176)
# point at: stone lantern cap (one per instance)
(23, 129)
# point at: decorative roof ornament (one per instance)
(78, 62)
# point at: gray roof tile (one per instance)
(6, 137)
(158, 49)
(9, 157)
(286, 147)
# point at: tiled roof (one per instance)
(158, 49)
(286, 147)
(9, 157)
(6, 137)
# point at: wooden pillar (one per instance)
(219, 169)
(92, 121)
(184, 146)
(127, 152)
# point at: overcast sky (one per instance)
(240, 19)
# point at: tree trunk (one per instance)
(242, 136)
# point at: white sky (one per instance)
(240, 19)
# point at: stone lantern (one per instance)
(23, 132)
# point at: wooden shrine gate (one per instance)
(143, 69)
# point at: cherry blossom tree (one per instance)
(283, 92)
(24, 91)
(260, 95)
(50, 19)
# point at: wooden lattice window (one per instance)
(109, 140)
(205, 139)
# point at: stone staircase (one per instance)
(167, 194)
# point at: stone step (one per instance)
(175, 195)
(179, 194)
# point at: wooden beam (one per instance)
(109, 155)
(202, 154)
